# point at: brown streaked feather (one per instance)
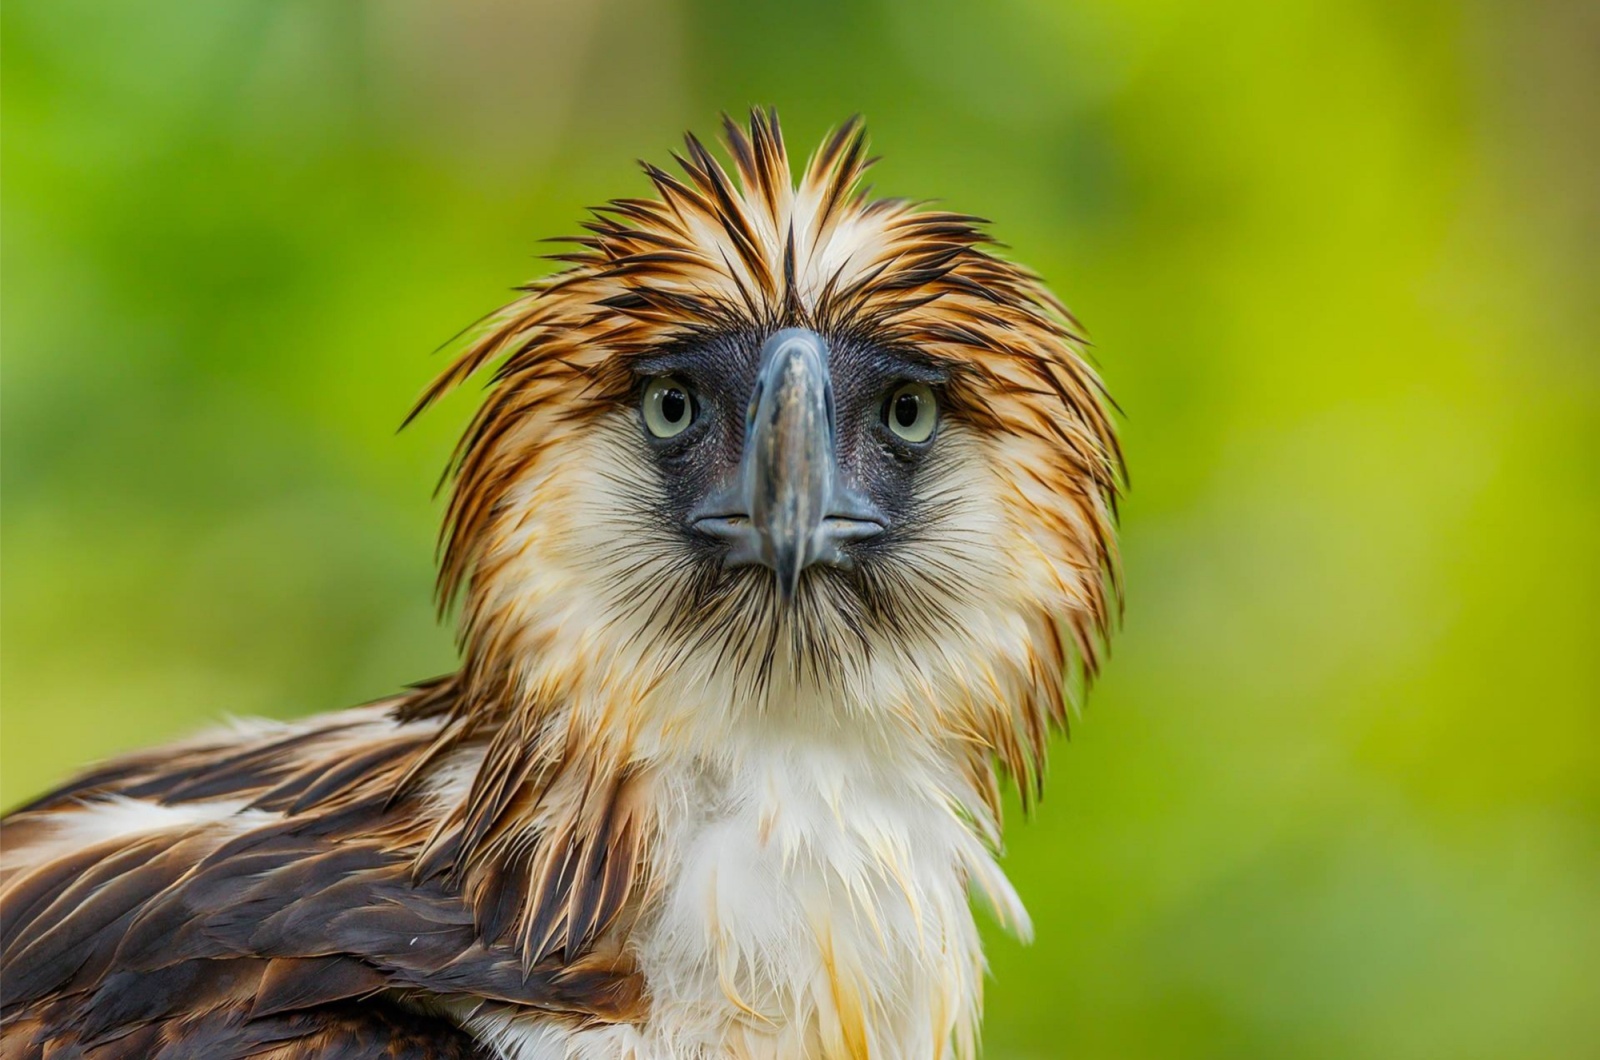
(316, 904)
(227, 1032)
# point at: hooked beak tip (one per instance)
(788, 576)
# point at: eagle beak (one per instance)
(796, 512)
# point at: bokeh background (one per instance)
(1339, 793)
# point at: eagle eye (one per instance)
(669, 406)
(911, 411)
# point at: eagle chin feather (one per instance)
(661, 810)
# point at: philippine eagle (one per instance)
(786, 517)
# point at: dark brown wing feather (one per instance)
(305, 933)
(371, 1032)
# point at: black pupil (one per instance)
(674, 405)
(906, 409)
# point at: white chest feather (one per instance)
(811, 903)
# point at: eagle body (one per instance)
(786, 515)
(183, 862)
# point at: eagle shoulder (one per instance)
(260, 894)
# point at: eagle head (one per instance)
(770, 449)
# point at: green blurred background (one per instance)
(1339, 793)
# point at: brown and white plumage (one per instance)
(670, 806)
